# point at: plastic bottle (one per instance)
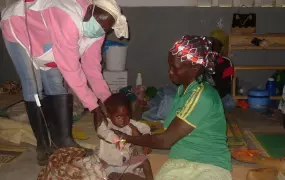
(139, 90)
(271, 87)
(139, 79)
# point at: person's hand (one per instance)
(118, 146)
(146, 150)
(119, 134)
(102, 107)
(99, 115)
(135, 131)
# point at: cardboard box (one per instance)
(116, 80)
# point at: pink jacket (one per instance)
(63, 34)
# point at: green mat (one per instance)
(3, 113)
(272, 143)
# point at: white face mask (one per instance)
(92, 29)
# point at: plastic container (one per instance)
(258, 99)
(271, 86)
(139, 79)
(116, 55)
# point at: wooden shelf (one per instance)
(259, 68)
(236, 97)
(258, 35)
(243, 42)
(245, 97)
(249, 47)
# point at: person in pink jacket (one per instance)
(46, 39)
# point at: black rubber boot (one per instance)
(61, 120)
(40, 131)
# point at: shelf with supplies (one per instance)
(245, 97)
(237, 97)
(255, 42)
(268, 42)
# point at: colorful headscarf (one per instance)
(197, 49)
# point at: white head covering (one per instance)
(121, 26)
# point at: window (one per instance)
(204, 3)
(239, 3)
(200, 3)
(225, 3)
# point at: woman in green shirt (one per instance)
(195, 125)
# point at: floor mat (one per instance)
(235, 137)
(7, 100)
(24, 167)
(272, 144)
(9, 151)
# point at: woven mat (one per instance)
(272, 144)
(235, 137)
(7, 99)
(9, 151)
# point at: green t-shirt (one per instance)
(200, 106)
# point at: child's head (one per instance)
(119, 109)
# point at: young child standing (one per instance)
(119, 157)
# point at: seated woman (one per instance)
(195, 125)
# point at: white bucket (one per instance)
(116, 57)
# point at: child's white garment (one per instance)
(108, 150)
(120, 161)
